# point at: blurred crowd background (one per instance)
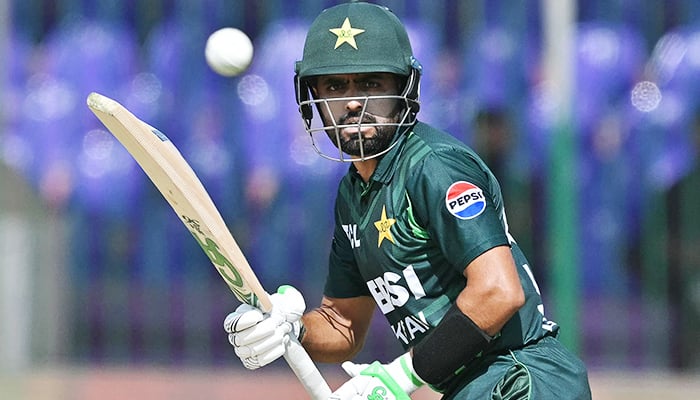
(95, 268)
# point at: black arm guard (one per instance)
(454, 342)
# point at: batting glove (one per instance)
(260, 338)
(376, 381)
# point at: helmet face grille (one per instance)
(354, 38)
(326, 133)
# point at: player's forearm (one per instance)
(493, 293)
(490, 311)
(328, 337)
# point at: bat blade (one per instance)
(175, 179)
(178, 183)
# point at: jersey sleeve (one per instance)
(456, 200)
(344, 279)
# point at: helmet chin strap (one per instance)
(411, 90)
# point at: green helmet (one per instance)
(354, 38)
(357, 37)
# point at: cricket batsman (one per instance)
(420, 233)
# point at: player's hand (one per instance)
(393, 381)
(260, 338)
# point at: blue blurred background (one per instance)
(97, 270)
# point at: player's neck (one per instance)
(366, 168)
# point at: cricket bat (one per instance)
(178, 183)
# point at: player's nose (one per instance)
(354, 105)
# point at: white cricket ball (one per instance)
(229, 51)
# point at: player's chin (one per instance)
(357, 148)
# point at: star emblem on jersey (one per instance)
(346, 34)
(384, 228)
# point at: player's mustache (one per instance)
(354, 118)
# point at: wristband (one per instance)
(453, 343)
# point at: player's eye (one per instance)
(334, 87)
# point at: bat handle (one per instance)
(305, 369)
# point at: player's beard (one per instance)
(358, 144)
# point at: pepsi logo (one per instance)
(465, 200)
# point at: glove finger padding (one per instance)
(260, 360)
(263, 352)
(243, 318)
(353, 369)
(270, 327)
(258, 341)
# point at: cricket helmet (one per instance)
(350, 38)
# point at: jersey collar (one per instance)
(388, 163)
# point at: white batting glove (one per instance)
(260, 338)
(393, 381)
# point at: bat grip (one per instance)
(305, 369)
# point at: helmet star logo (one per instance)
(346, 34)
(384, 228)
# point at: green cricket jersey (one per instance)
(404, 238)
